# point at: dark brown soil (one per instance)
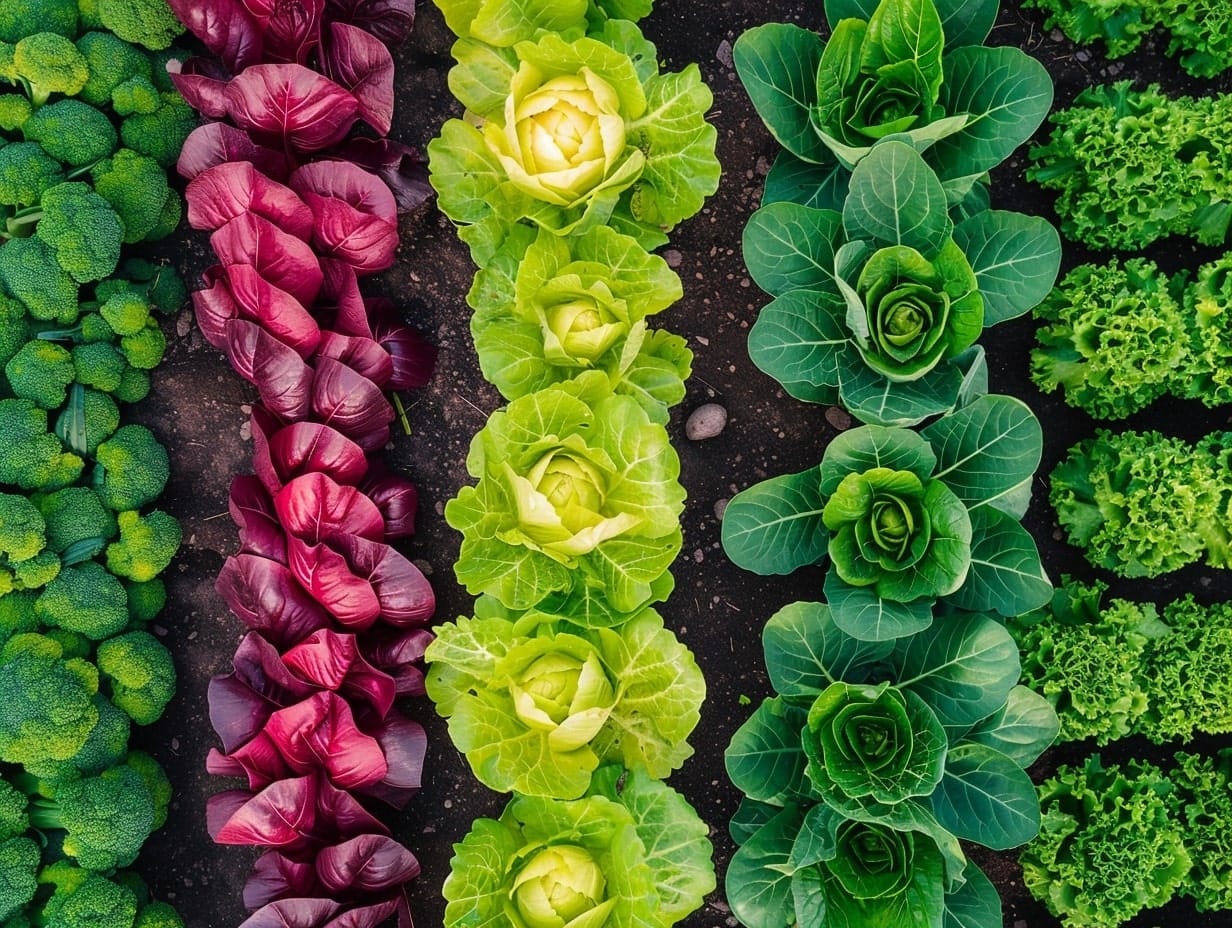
(199, 409)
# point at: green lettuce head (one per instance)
(549, 307)
(537, 704)
(578, 497)
(571, 133)
(630, 854)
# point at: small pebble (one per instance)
(706, 421)
(672, 257)
(724, 54)
(839, 418)
(720, 507)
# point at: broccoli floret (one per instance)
(82, 229)
(48, 63)
(30, 272)
(46, 702)
(75, 515)
(17, 614)
(19, 18)
(41, 372)
(19, 862)
(36, 572)
(89, 418)
(23, 533)
(112, 61)
(15, 109)
(73, 645)
(149, 23)
(136, 95)
(145, 349)
(30, 456)
(140, 673)
(107, 745)
(99, 365)
(146, 545)
(13, 818)
(106, 818)
(72, 132)
(89, 901)
(126, 313)
(158, 915)
(164, 288)
(134, 386)
(160, 134)
(26, 171)
(14, 329)
(136, 187)
(132, 468)
(146, 600)
(84, 599)
(156, 781)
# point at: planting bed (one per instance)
(199, 408)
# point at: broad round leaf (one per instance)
(987, 798)
(775, 526)
(777, 63)
(1015, 258)
(896, 199)
(791, 247)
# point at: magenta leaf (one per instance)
(214, 305)
(404, 745)
(278, 256)
(365, 864)
(356, 215)
(266, 597)
(275, 876)
(280, 375)
(202, 82)
(414, 358)
(225, 191)
(259, 759)
(369, 916)
(311, 912)
(395, 496)
(293, 103)
(320, 733)
(332, 660)
(218, 143)
(277, 311)
(286, 452)
(253, 511)
(361, 63)
(295, 815)
(237, 711)
(327, 576)
(314, 508)
(341, 305)
(225, 27)
(388, 20)
(399, 652)
(404, 594)
(362, 355)
(401, 167)
(351, 403)
(292, 27)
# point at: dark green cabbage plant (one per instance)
(872, 762)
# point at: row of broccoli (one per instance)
(89, 124)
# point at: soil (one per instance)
(200, 410)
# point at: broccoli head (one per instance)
(112, 61)
(35, 572)
(20, 18)
(132, 468)
(134, 386)
(14, 328)
(23, 533)
(106, 818)
(72, 132)
(89, 418)
(41, 372)
(99, 365)
(26, 171)
(30, 456)
(15, 109)
(47, 706)
(156, 781)
(140, 673)
(136, 187)
(146, 600)
(85, 599)
(136, 95)
(149, 23)
(85, 900)
(48, 63)
(75, 515)
(144, 350)
(19, 863)
(126, 312)
(160, 134)
(163, 287)
(106, 747)
(17, 614)
(146, 545)
(30, 272)
(82, 229)
(158, 915)
(13, 818)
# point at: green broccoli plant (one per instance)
(41, 373)
(111, 61)
(19, 863)
(149, 23)
(132, 468)
(19, 18)
(23, 531)
(26, 171)
(139, 674)
(85, 599)
(46, 702)
(14, 327)
(72, 132)
(13, 819)
(31, 274)
(45, 63)
(31, 457)
(78, 225)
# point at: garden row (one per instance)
(576, 158)
(89, 124)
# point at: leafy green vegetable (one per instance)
(631, 854)
(907, 519)
(1204, 801)
(1207, 374)
(537, 705)
(578, 495)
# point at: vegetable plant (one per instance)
(912, 67)
(879, 304)
(537, 705)
(910, 521)
(870, 763)
(630, 852)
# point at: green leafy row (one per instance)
(1167, 158)
(1141, 504)
(577, 156)
(1199, 31)
(1122, 668)
(872, 762)
(1117, 336)
(1120, 839)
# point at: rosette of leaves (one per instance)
(1108, 845)
(577, 506)
(549, 307)
(1204, 806)
(536, 704)
(1208, 312)
(632, 853)
(896, 66)
(872, 761)
(569, 132)
(907, 519)
(879, 304)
